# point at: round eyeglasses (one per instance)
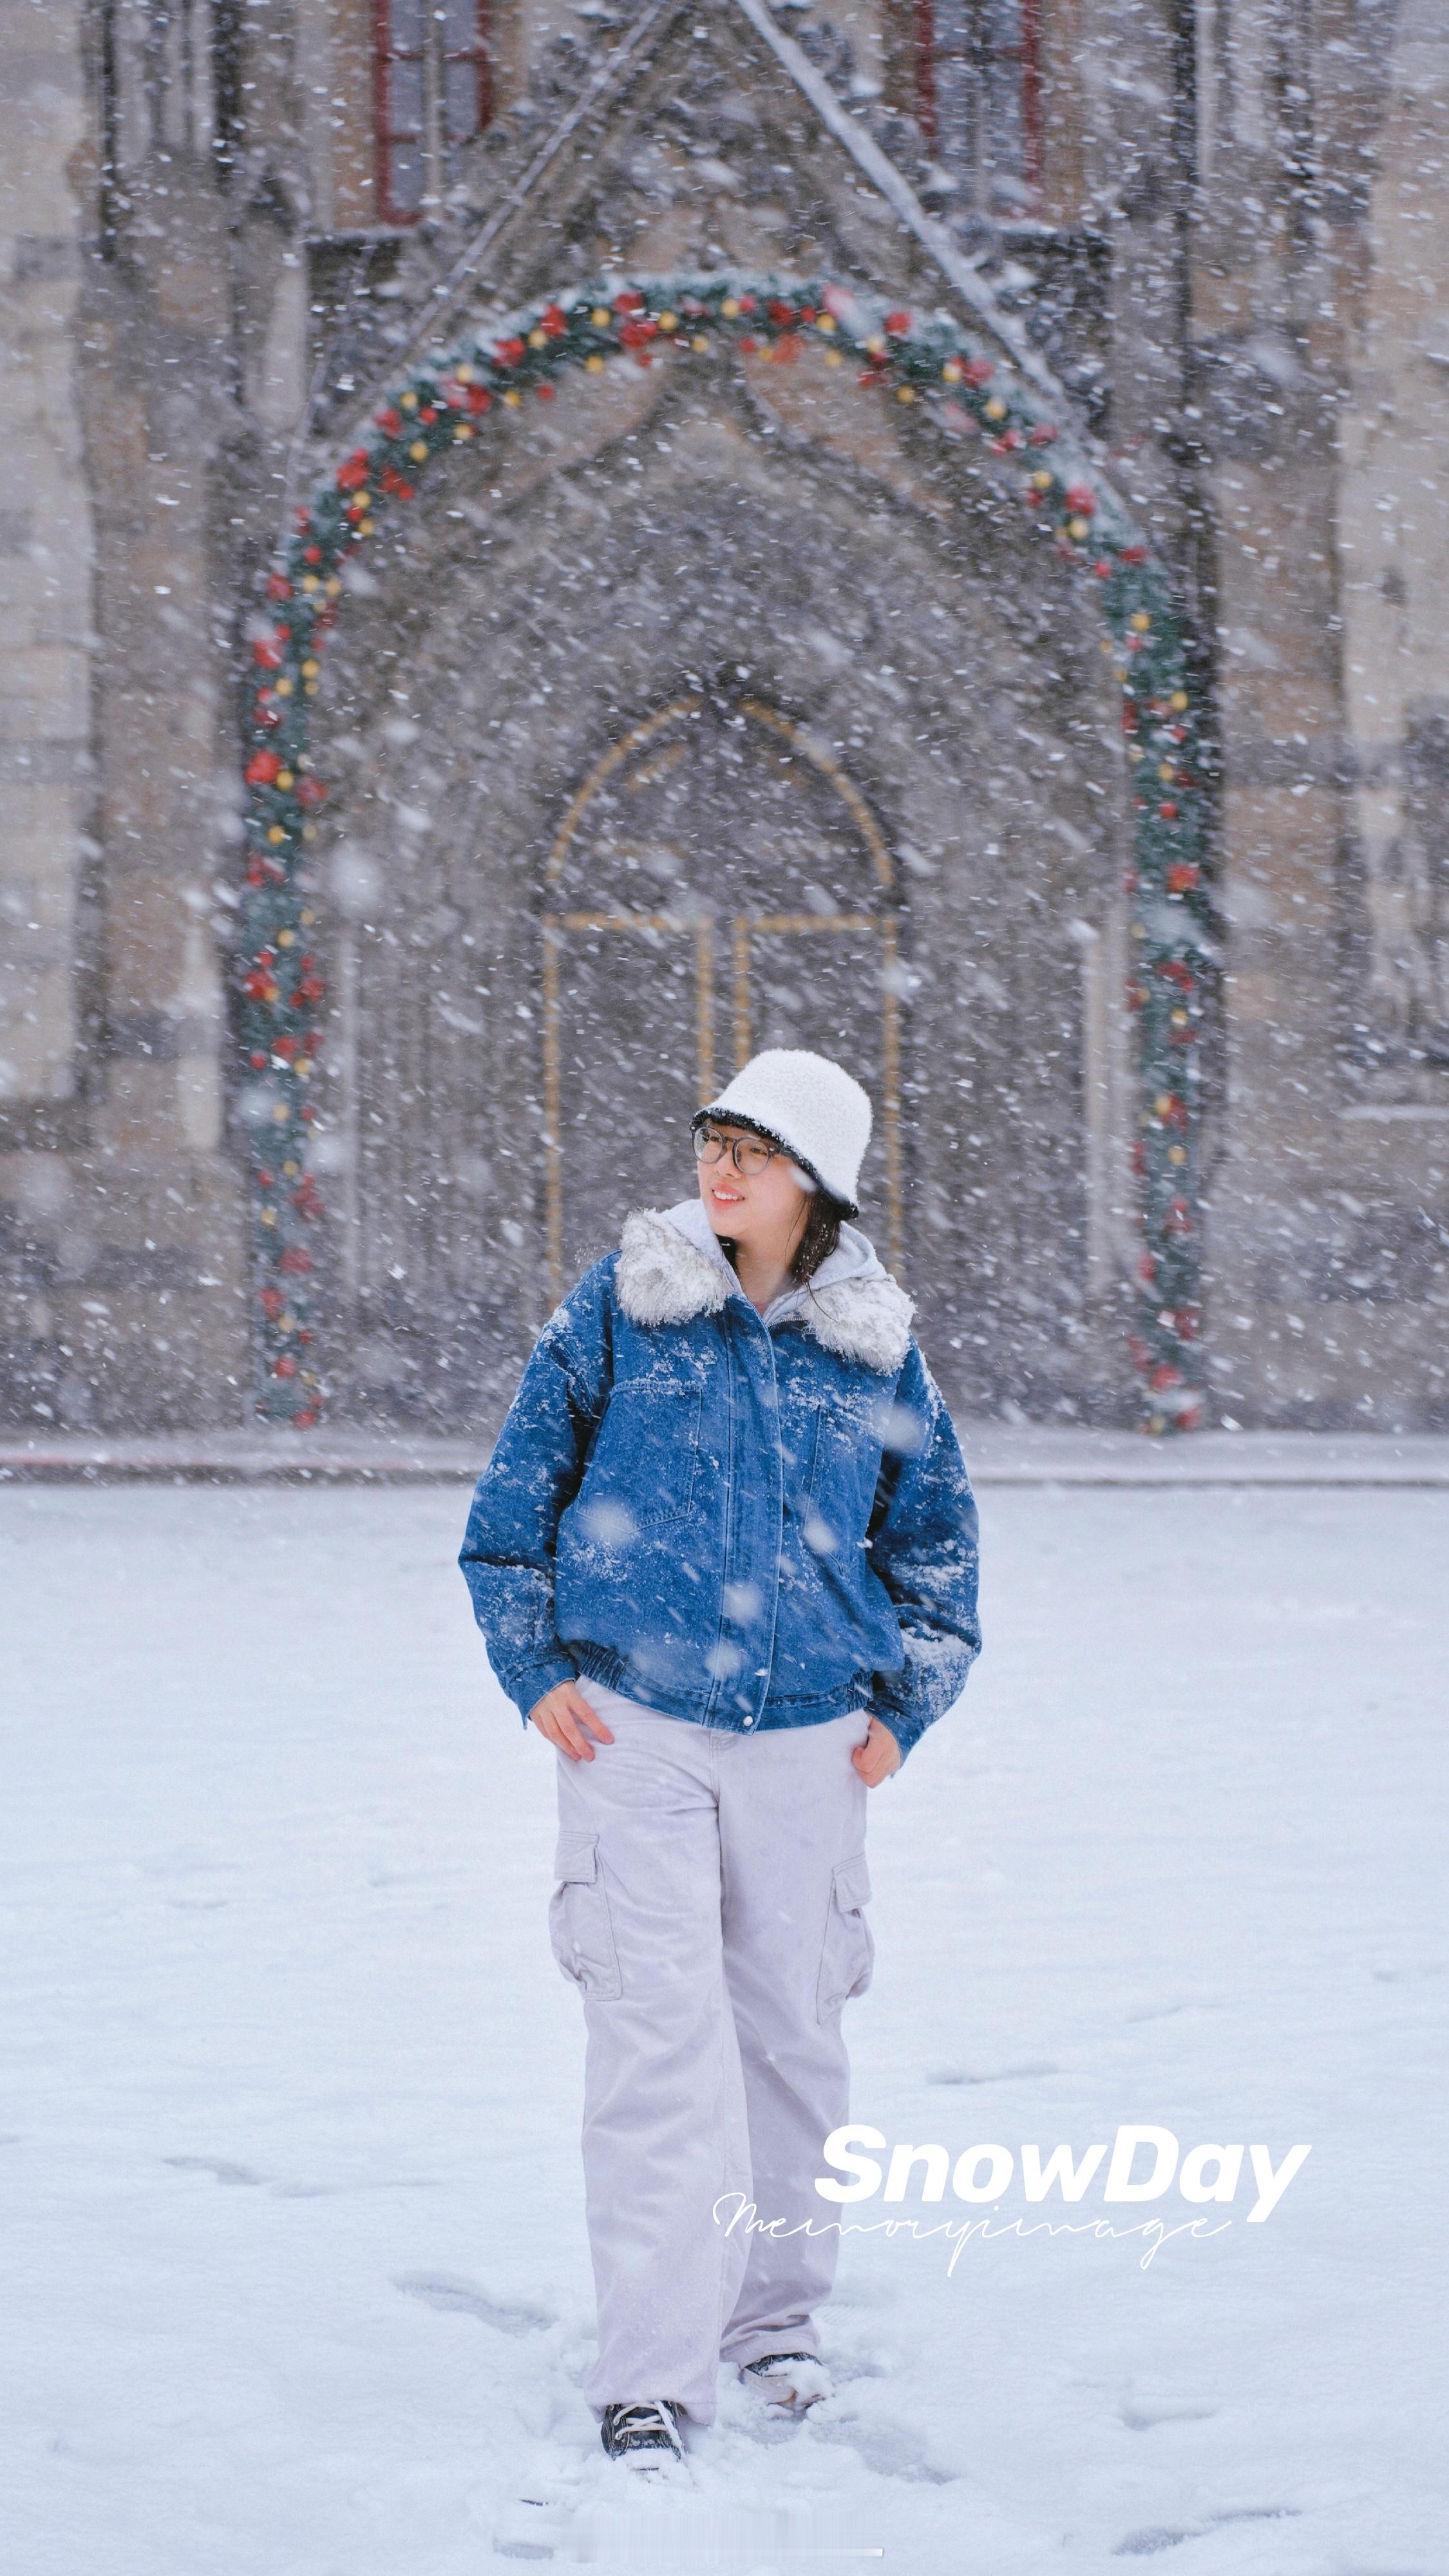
(747, 1153)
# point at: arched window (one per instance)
(979, 96)
(431, 93)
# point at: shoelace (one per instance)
(649, 2415)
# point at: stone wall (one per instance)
(767, 540)
(1271, 373)
(46, 704)
(1316, 290)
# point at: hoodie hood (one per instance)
(671, 1268)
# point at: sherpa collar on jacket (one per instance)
(670, 1269)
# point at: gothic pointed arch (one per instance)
(482, 390)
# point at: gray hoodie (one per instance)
(854, 1258)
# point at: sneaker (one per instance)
(644, 2435)
(789, 2379)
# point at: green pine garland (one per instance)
(444, 404)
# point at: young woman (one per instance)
(724, 1557)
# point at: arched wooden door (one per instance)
(717, 884)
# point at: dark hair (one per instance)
(821, 1235)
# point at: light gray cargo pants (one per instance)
(708, 1900)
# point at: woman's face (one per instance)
(764, 1208)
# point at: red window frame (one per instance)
(1028, 54)
(385, 52)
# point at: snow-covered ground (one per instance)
(296, 2275)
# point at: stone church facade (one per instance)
(721, 704)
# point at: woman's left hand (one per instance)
(878, 1757)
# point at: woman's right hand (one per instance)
(561, 1714)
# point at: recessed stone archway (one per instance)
(898, 360)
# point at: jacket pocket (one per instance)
(644, 1463)
(849, 1954)
(580, 1926)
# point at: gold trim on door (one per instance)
(604, 768)
(744, 929)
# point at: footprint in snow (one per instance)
(1146, 2544)
(1255, 2513)
(886, 2448)
(1140, 2419)
(218, 2166)
(443, 2290)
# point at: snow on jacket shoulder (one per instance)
(748, 1521)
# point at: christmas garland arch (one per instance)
(448, 401)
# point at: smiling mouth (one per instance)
(727, 1197)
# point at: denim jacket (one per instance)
(749, 1521)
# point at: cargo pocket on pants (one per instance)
(579, 1923)
(849, 1956)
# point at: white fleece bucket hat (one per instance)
(811, 1106)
